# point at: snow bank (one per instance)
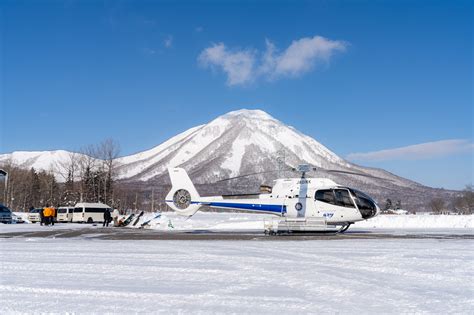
(227, 221)
(203, 221)
(419, 222)
(245, 221)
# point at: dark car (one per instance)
(5, 214)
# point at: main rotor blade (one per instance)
(357, 174)
(245, 175)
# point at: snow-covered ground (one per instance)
(87, 275)
(255, 222)
(259, 277)
(419, 222)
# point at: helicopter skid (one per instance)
(301, 225)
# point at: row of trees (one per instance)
(90, 175)
(390, 206)
(87, 176)
(462, 204)
(29, 187)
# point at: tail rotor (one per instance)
(183, 196)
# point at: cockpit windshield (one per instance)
(365, 204)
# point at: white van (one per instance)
(65, 214)
(89, 212)
(34, 215)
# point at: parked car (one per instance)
(17, 219)
(5, 214)
(34, 215)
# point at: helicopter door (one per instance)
(298, 203)
(294, 207)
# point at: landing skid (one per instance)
(344, 228)
(301, 226)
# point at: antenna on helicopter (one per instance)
(303, 169)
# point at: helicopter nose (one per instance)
(369, 211)
(377, 212)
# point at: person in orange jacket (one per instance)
(46, 215)
(53, 215)
(49, 213)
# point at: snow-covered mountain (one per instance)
(239, 142)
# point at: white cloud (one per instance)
(303, 54)
(244, 65)
(420, 151)
(237, 65)
(168, 42)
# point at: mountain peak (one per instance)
(249, 113)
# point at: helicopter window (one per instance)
(343, 198)
(326, 196)
(363, 201)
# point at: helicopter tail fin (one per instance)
(183, 196)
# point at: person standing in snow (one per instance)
(41, 214)
(53, 215)
(47, 215)
(107, 217)
(115, 215)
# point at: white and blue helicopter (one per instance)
(301, 204)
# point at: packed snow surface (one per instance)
(87, 275)
(229, 221)
(259, 277)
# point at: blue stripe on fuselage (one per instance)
(243, 206)
(248, 206)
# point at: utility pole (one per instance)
(136, 201)
(5, 174)
(153, 200)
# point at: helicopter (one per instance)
(301, 204)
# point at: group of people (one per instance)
(47, 215)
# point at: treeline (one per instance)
(461, 204)
(28, 188)
(87, 176)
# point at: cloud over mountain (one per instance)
(420, 151)
(244, 66)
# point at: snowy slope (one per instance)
(49, 161)
(227, 140)
(43, 160)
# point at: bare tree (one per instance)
(108, 152)
(437, 205)
(87, 165)
(464, 204)
(97, 168)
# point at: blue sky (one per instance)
(384, 83)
